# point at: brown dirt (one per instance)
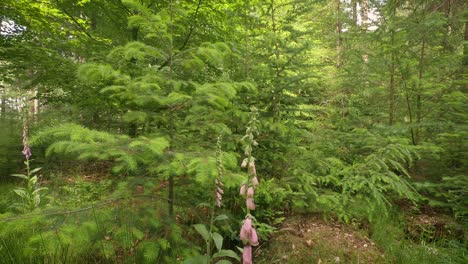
(309, 239)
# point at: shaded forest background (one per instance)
(134, 107)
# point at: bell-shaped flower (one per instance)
(244, 163)
(250, 192)
(254, 181)
(219, 183)
(254, 238)
(250, 203)
(27, 152)
(246, 230)
(252, 169)
(242, 189)
(247, 255)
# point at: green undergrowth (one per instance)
(121, 231)
(90, 221)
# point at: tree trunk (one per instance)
(339, 40)
(365, 14)
(391, 98)
(276, 93)
(419, 91)
(171, 113)
(355, 17)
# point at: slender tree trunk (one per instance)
(392, 71)
(339, 39)
(36, 106)
(419, 90)
(3, 98)
(355, 15)
(465, 49)
(392, 92)
(277, 93)
(365, 14)
(171, 113)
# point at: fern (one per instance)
(85, 144)
(379, 175)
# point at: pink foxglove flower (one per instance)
(250, 192)
(244, 163)
(254, 238)
(219, 197)
(247, 255)
(252, 169)
(27, 152)
(242, 189)
(255, 181)
(250, 203)
(246, 230)
(26, 149)
(219, 183)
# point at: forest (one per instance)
(240, 131)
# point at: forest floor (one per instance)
(310, 239)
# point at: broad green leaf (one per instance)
(35, 170)
(201, 229)
(221, 217)
(226, 253)
(22, 176)
(224, 261)
(196, 260)
(218, 239)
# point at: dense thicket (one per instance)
(361, 104)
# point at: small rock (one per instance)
(365, 245)
(309, 243)
(337, 259)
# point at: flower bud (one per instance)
(242, 189)
(250, 192)
(244, 163)
(254, 181)
(250, 203)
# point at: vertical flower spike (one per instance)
(248, 234)
(218, 182)
(26, 149)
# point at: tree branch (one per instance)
(187, 38)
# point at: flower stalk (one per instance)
(248, 234)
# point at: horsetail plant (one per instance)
(248, 234)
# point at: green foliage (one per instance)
(71, 140)
(450, 193)
(358, 100)
(31, 196)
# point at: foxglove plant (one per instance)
(208, 234)
(248, 234)
(218, 181)
(30, 196)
